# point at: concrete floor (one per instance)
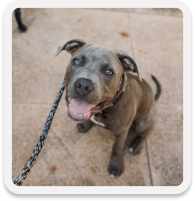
(155, 41)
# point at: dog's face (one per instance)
(93, 77)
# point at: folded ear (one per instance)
(127, 62)
(71, 46)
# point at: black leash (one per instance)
(29, 164)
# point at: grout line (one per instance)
(149, 163)
(131, 34)
(145, 139)
(139, 13)
(133, 52)
(161, 15)
(64, 145)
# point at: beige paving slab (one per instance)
(37, 74)
(158, 50)
(69, 158)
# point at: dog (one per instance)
(105, 87)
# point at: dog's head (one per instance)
(93, 77)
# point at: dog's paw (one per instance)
(115, 167)
(136, 145)
(84, 127)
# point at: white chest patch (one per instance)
(96, 122)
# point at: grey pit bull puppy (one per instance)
(102, 89)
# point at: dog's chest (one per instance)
(94, 120)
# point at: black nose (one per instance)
(83, 86)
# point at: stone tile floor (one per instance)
(155, 41)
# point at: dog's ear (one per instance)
(127, 62)
(71, 46)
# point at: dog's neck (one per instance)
(121, 88)
(118, 93)
(113, 101)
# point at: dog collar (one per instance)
(119, 92)
(121, 89)
(111, 104)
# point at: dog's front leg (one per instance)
(116, 165)
(84, 127)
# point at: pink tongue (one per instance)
(79, 106)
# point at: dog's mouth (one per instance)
(80, 110)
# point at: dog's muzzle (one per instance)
(78, 109)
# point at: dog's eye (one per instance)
(76, 61)
(109, 72)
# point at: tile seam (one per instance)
(145, 139)
(149, 163)
(139, 13)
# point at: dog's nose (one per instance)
(83, 86)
